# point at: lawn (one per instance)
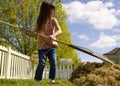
(30, 82)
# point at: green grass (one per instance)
(30, 82)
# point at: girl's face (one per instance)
(52, 13)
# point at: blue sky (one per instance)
(94, 24)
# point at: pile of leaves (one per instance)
(96, 74)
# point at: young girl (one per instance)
(45, 25)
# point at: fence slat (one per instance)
(8, 63)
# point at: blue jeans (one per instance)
(43, 54)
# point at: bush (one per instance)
(96, 74)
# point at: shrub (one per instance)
(96, 74)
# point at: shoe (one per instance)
(52, 81)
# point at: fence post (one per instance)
(8, 63)
(65, 70)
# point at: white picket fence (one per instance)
(18, 66)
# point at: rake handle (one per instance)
(85, 50)
(8, 24)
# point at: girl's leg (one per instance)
(41, 65)
(52, 60)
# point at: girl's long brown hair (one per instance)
(44, 14)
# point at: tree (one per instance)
(24, 13)
(21, 13)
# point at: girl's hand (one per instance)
(52, 37)
(51, 42)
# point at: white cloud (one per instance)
(116, 30)
(74, 11)
(100, 15)
(118, 12)
(106, 41)
(83, 37)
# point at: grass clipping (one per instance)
(96, 74)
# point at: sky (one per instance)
(93, 24)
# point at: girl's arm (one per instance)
(58, 28)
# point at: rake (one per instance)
(79, 48)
